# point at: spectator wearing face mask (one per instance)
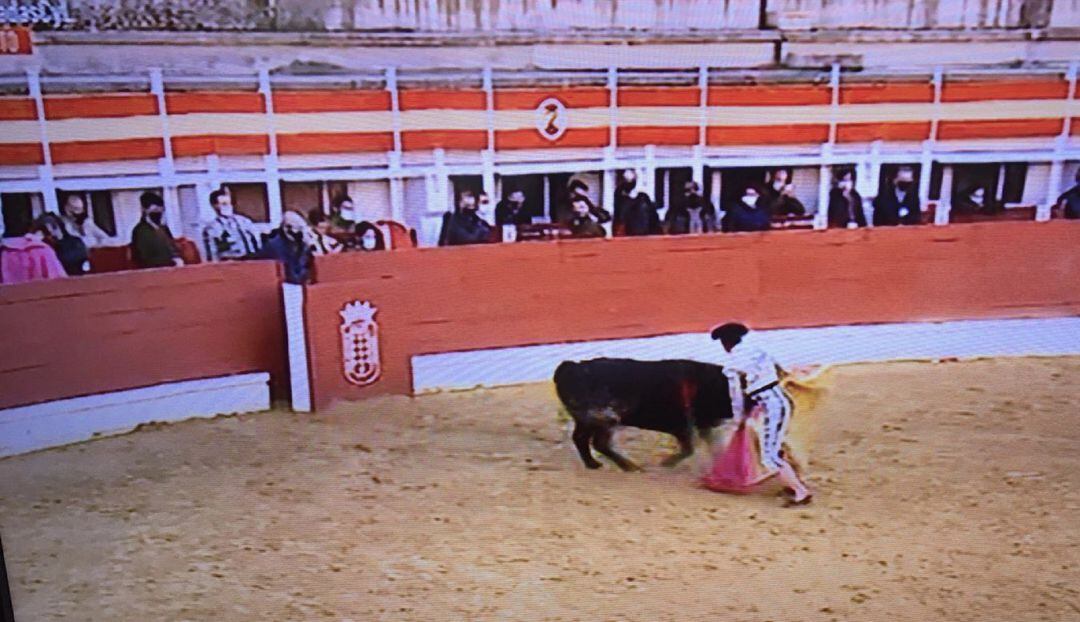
(78, 223)
(578, 189)
(69, 248)
(370, 237)
(899, 203)
(975, 201)
(1069, 202)
(749, 213)
(343, 217)
(694, 214)
(780, 195)
(846, 204)
(152, 244)
(293, 246)
(229, 235)
(464, 225)
(511, 210)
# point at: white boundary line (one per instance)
(798, 346)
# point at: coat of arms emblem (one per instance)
(551, 119)
(360, 343)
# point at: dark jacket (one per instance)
(459, 228)
(638, 215)
(72, 252)
(678, 218)
(153, 246)
(295, 257)
(586, 228)
(742, 217)
(1071, 198)
(888, 209)
(505, 214)
(839, 215)
(964, 205)
(779, 203)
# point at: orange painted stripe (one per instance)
(765, 135)
(107, 150)
(100, 106)
(444, 99)
(335, 143)
(769, 95)
(887, 93)
(638, 136)
(256, 144)
(331, 101)
(1010, 128)
(443, 139)
(1004, 89)
(645, 96)
(14, 154)
(529, 99)
(186, 103)
(869, 132)
(1074, 129)
(531, 139)
(17, 109)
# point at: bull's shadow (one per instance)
(676, 397)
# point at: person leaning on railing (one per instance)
(152, 244)
(464, 225)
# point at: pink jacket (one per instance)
(28, 259)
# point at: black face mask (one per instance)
(295, 236)
(156, 217)
(904, 185)
(79, 218)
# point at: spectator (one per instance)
(70, 249)
(511, 210)
(1069, 202)
(343, 215)
(578, 189)
(845, 203)
(463, 225)
(291, 245)
(693, 214)
(325, 244)
(25, 257)
(370, 237)
(152, 244)
(779, 195)
(635, 213)
(898, 203)
(749, 213)
(228, 235)
(582, 224)
(78, 222)
(974, 201)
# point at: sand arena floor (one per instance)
(945, 492)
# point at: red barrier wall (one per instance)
(440, 300)
(108, 332)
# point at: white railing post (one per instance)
(271, 163)
(46, 175)
(944, 209)
(613, 107)
(821, 216)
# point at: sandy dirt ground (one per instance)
(944, 492)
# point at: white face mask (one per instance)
(368, 240)
(977, 199)
(750, 199)
(348, 214)
(845, 185)
(225, 210)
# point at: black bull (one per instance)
(675, 397)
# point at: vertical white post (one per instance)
(489, 98)
(487, 175)
(821, 216)
(395, 107)
(613, 107)
(935, 114)
(397, 188)
(273, 183)
(647, 173)
(1045, 210)
(444, 194)
(1066, 126)
(547, 199)
(46, 175)
(703, 111)
(926, 162)
(834, 106)
(942, 216)
(166, 165)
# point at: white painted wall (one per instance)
(372, 199)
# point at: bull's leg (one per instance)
(582, 435)
(686, 448)
(602, 439)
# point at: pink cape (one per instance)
(28, 259)
(737, 468)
